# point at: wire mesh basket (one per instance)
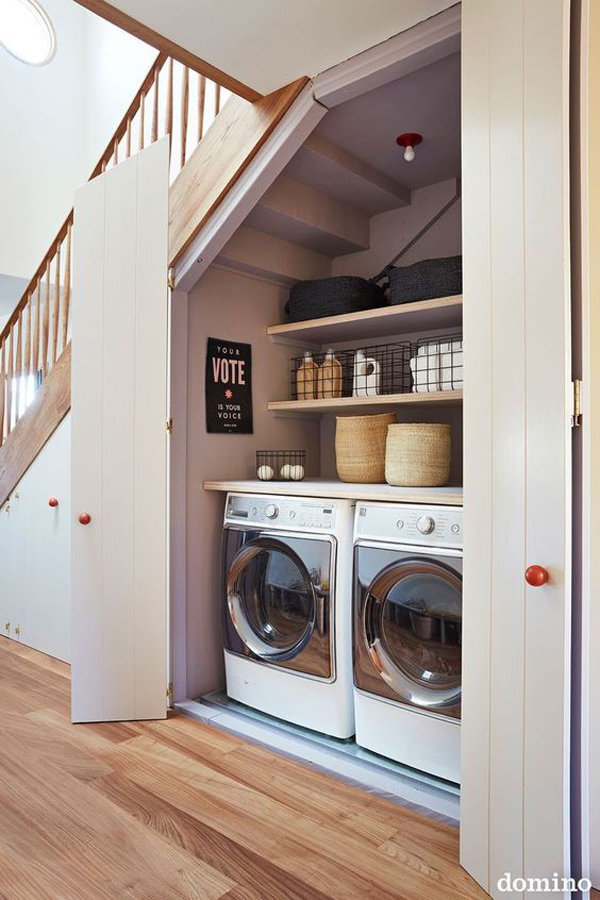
(280, 465)
(360, 372)
(437, 365)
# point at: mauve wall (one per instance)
(234, 307)
(238, 307)
(393, 230)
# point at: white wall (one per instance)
(35, 541)
(11, 290)
(55, 121)
(41, 153)
(116, 64)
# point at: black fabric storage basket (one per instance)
(426, 280)
(332, 297)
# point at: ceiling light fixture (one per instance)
(409, 140)
(26, 32)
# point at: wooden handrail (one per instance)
(37, 331)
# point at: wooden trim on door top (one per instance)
(145, 33)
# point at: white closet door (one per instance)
(15, 577)
(515, 730)
(48, 542)
(119, 444)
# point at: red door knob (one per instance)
(53, 502)
(536, 576)
(85, 518)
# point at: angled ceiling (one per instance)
(350, 168)
(364, 131)
(266, 43)
(426, 101)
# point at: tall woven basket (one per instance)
(418, 455)
(360, 447)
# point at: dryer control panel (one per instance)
(291, 513)
(425, 526)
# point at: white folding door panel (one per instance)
(119, 450)
(515, 729)
(590, 433)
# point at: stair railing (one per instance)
(38, 329)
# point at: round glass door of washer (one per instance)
(271, 599)
(413, 629)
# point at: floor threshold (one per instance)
(408, 787)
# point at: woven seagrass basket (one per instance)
(360, 447)
(418, 455)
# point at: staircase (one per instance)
(213, 135)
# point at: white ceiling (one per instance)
(268, 43)
(426, 101)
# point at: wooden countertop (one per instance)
(322, 487)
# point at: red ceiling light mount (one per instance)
(409, 140)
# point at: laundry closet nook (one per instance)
(340, 297)
(322, 417)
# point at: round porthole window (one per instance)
(26, 32)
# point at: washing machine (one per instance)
(407, 634)
(287, 608)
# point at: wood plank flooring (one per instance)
(177, 809)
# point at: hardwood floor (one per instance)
(177, 809)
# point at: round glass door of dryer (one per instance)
(271, 598)
(412, 619)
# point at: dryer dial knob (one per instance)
(271, 511)
(425, 524)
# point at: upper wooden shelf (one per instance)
(432, 398)
(445, 312)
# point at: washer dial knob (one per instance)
(271, 511)
(425, 524)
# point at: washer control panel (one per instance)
(435, 526)
(281, 512)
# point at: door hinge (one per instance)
(576, 414)
(170, 425)
(171, 279)
(170, 693)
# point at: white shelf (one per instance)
(322, 487)
(445, 312)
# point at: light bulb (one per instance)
(409, 153)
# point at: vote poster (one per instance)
(228, 387)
